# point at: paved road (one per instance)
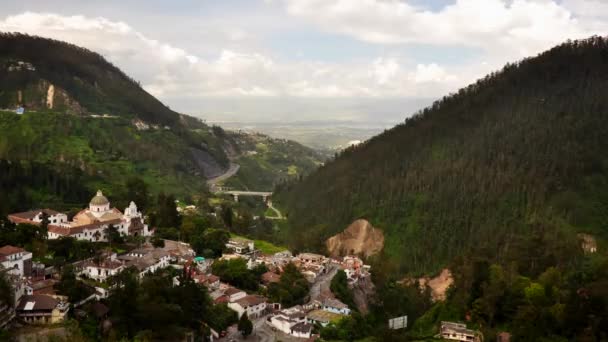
(320, 288)
(232, 170)
(278, 215)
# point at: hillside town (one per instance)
(37, 302)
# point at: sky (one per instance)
(307, 60)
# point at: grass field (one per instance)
(264, 246)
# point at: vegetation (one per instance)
(236, 273)
(517, 154)
(159, 310)
(245, 326)
(339, 287)
(292, 288)
(265, 161)
(104, 130)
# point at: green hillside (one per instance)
(514, 165)
(83, 116)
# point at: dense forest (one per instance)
(522, 152)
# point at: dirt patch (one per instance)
(438, 285)
(360, 238)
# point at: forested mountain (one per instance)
(513, 167)
(87, 125)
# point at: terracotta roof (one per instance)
(10, 250)
(40, 302)
(232, 290)
(29, 215)
(105, 264)
(251, 300)
(270, 277)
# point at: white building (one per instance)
(146, 260)
(291, 321)
(458, 332)
(16, 260)
(240, 245)
(102, 270)
(253, 305)
(335, 306)
(90, 224)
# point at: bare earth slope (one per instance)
(359, 238)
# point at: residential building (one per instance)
(458, 332)
(146, 260)
(253, 305)
(16, 260)
(101, 270)
(234, 294)
(291, 321)
(42, 309)
(240, 246)
(335, 306)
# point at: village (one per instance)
(37, 303)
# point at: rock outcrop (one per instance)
(360, 238)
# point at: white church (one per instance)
(89, 224)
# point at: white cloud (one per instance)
(170, 72)
(498, 31)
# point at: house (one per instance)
(291, 321)
(335, 306)
(240, 246)
(458, 332)
(146, 260)
(42, 309)
(354, 268)
(90, 224)
(234, 294)
(180, 252)
(44, 286)
(102, 270)
(253, 305)
(208, 280)
(311, 258)
(16, 260)
(323, 317)
(270, 277)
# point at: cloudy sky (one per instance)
(277, 60)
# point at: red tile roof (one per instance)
(10, 250)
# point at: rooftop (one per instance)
(29, 215)
(251, 300)
(37, 302)
(10, 250)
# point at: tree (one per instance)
(339, 287)
(6, 290)
(114, 235)
(245, 326)
(137, 191)
(291, 289)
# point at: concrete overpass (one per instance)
(236, 194)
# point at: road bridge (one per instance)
(237, 193)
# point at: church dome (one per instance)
(99, 199)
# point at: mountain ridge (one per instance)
(515, 154)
